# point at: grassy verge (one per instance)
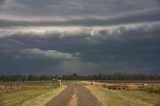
(125, 98)
(108, 97)
(28, 96)
(147, 97)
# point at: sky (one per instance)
(86, 37)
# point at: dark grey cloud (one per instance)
(126, 49)
(79, 36)
(77, 7)
(1, 3)
(147, 17)
(158, 1)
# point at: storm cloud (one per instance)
(48, 53)
(76, 36)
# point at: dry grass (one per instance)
(31, 93)
(135, 96)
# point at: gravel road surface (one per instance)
(82, 97)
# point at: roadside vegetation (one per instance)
(152, 90)
(30, 93)
(111, 90)
(130, 97)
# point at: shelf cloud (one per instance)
(79, 36)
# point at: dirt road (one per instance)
(74, 95)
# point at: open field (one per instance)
(80, 93)
(33, 93)
(136, 94)
(130, 81)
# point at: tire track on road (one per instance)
(74, 95)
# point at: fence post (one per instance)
(11, 85)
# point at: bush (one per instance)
(153, 90)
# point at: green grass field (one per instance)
(38, 93)
(125, 97)
(31, 93)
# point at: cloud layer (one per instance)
(79, 36)
(49, 53)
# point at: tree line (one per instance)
(116, 76)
